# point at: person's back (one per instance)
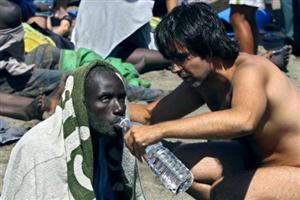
(278, 133)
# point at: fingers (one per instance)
(136, 149)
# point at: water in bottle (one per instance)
(170, 170)
(165, 165)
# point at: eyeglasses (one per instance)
(180, 57)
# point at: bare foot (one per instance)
(280, 57)
(35, 109)
(50, 102)
(43, 106)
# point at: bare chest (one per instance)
(217, 96)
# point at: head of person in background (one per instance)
(11, 30)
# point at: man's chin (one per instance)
(105, 129)
(106, 133)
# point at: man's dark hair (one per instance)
(10, 15)
(96, 71)
(198, 29)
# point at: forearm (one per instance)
(137, 113)
(175, 106)
(214, 125)
(140, 113)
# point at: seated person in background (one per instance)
(252, 102)
(126, 34)
(21, 79)
(16, 76)
(37, 15)
(45, 10)
(77, 153)
(25, 108)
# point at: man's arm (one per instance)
(141, 112)
(180, 102)
(248, 106)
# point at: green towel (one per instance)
(78, 142)
(70, 60)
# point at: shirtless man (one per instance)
(252, 102)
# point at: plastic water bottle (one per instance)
(164, 164)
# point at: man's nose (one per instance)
(119, 108)
(176, 68)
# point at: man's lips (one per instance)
(118, 125)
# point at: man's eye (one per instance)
(104, 99)
(181, 57)
(178, 60)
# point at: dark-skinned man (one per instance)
(77, 153)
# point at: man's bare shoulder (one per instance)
(251, 62)
(247, 65)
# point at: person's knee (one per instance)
(206, 169)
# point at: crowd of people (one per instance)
(80, 75)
